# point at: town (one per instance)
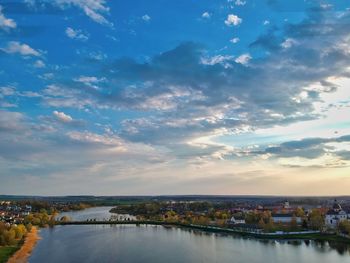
(259, 217)
(269, 218)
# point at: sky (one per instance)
(165, 97)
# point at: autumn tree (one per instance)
(316, 220)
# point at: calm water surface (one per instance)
(153, 244)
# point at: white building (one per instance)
(237, 220)
(284, 218)
(336, 215)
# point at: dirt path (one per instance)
(22, 255)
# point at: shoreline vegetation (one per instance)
(23, 253)
(20, 252)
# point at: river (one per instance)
(153, 244)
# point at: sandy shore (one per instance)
(22, 255)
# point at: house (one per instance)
(237, 220)
(285, 218)
(335, 215)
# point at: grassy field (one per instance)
(6, 252)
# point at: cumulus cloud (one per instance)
(6, 23)
(89, 79)
(14, 47)
(189, 95)
(39, 64)
(243, 59)
(12, 122)
(233, 20)
(76, 34)
(288, 43)
(146, 18)
(320, 152)
(95, 9)
(61, 116)
(206, 15)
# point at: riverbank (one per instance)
(23, 253)
(307, 235)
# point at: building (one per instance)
(335, 215)
(285, 218)
(237, 220)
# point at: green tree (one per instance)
(316, 220)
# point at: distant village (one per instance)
(271, 218)
(12, 213)
(276, 217)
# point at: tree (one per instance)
(261, 224)
(300, 212)
(293, 224)
(344, 227)
(316, 220)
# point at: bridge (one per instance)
(107, 222)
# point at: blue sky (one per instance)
(174, 97)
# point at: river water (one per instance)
(153, 244)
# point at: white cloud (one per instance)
(92, 8)
(240, 2)
(88, 79)
(218, 59)
(243, 59)
(206, 15)
(234, 40)
(23, 49)
(266, 22)
(7, 91)
(146, 18)
(6, 23)
(288, 43)
(39, 64)
(76, 34)
(233, 20)
(61, 116)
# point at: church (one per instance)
(335, 215)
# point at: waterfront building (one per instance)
(237, 220)
(335, 215)
(284, 218)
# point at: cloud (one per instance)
(76, 34)
(288, 43)
(233, 20)
(243, 59)
(11, 122)
(322, 152)
(184, 95)
(14, 47)
(206, 15)
(39, 64)
(89, 79)
(146, 18)
(218, 59)
(234, 40)
(61, 116)
(6, 23)
(240, 2)
(92, 8)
